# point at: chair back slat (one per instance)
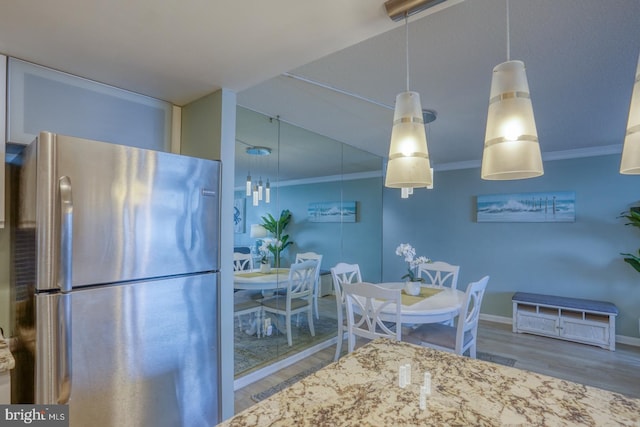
(365, 303)
(344, 273)
(301, 279)
(242, 261)
(439, 273)
(470, 311)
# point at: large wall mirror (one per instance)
(322, 183)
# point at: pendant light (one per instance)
(248, 185)
(511, 148)
(630, 163)
(255, 191)
(408, 165)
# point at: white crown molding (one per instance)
(604, 150)
(316, 180)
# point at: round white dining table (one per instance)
(257, 281)
(443, 306)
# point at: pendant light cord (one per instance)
(406, 34)
(508, 35)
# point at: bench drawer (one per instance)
(537, 323)
(585, 331)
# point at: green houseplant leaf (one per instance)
(633, 260)
(633, 216)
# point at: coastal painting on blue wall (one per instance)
(554, 206)
(332, 212)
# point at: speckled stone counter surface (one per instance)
(6, 358)
(361, 389)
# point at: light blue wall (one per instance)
(580, 259)
(357, 242)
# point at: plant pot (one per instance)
(412, 288)
(265, 268)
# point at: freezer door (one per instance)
(142, 354)
(132, 213)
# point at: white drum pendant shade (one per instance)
(511, 149)
(630, 163)
(408, 165)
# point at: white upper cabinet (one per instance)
(42, 99)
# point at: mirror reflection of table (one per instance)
(257, 281)
(362, 389)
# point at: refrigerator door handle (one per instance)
(66, 234)
(63, 343)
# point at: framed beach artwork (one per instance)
(332, 212)
(238, 215)
(554, 206)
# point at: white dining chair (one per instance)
(242, 261)
(439, 273)
(248, 307)
(455, 339)
(298, 297)
(365, 302)
(306, 256)
(243, 305)
(343, 273)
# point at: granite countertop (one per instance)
(361, 389)
(6, 358)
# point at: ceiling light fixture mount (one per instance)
(258, 150)
(399, 9)
(429, 116)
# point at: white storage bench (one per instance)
(573, 319)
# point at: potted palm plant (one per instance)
(276, 228)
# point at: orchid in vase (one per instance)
(407, 251)
(263, 251)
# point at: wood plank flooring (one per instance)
(617, 371)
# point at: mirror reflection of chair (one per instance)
(343, 273)
(363, 315)
(298, 297)
(455, 339)
(439, 273)
(243, 305)
(242, 261)
(305, 256)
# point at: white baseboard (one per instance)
(622, 339)
(495, 319)
(274, 367)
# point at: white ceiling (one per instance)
(580, 57)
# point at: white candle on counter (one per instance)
(402, 376)
(427, 383)
(408, 368)
(423, 397)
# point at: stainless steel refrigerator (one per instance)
(115, 283)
